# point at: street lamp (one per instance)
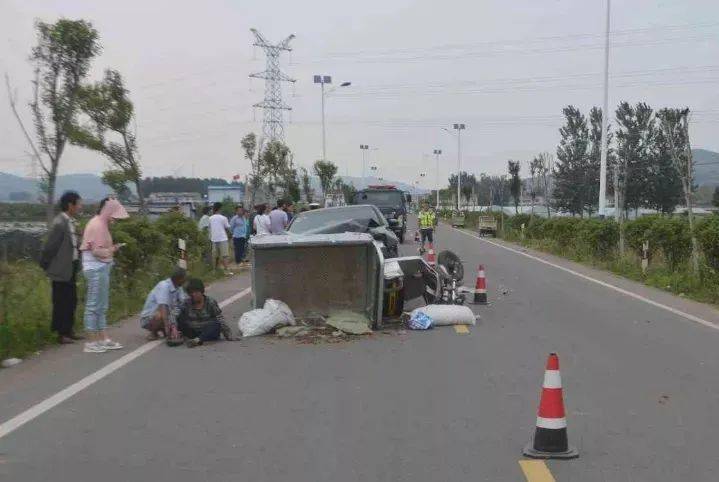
(459, 128)
(437, 153)
(364, 148)
(322, 80)
(374, 170)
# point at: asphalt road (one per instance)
(641, 388)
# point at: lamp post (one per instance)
(364, 148)
(322, 80)
(437, 153)
(605, 117)
(459, 128)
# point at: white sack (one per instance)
(443, 315)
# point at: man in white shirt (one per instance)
(261, 223)
(278, 219)
(219, 225)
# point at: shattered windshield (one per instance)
(351, 219)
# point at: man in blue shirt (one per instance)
(239, 228)
(162, 306)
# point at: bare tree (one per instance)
(546, 166)
(675, 124)
(62, 58)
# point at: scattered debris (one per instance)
(10, 362)
(445, 315)
(663, 399)
(263, 320)
(349, 322)
(288, 331)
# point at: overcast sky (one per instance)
(504, 68)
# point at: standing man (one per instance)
(204, 226)
(218, 235)
(290, 210)
(60, 259)
(238, 227)
(278, 218)
(427, 222)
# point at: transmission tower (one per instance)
(272, 126)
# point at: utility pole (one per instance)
(273, 124)
(437, 153)
(364, 148)
(459, 128)
(605, 120)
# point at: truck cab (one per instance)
(391, 201)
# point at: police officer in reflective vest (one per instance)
(427, 222)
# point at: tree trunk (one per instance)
(690, 215)
(50, 200)
(140, 197)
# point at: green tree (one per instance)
(61, 57)
(636, 136)
(306, 184)
(109, 110)
(515, 183)
(675, 125)
(117, 181)
(253, 153)
(663, 190)
(570, 171)
(326, 171)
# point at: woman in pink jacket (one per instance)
(97, 252)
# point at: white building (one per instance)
(220, 193)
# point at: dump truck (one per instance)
(487, 225)
(391, 202)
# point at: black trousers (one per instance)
(64, 303)
(210, 332)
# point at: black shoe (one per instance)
(75, 337)
(65, 340)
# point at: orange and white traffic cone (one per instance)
(431, 258)
(480, 289)
(550, 438)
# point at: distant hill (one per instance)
(89, 186)
(706, 170)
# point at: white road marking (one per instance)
(675, 311)
(55, 400)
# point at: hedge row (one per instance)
(150, 254)
(668, 236)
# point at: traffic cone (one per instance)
(416, 237)
(550, 437)
(480, 289)
(431, 258)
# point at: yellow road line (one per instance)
(536, 471)
(461, 329)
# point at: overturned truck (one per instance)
(321, 275)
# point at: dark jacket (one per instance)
(57, 257)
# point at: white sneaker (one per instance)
(108, 344)
(94, 347)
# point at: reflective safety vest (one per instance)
(426, 219)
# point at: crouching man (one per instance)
(163, 306)
(201, 318)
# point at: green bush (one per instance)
(562, 231)
(672, 237)
(598, 237)
(536, 228)
(708, 238)
(638, 231)
(515, 222)
(150, 255)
